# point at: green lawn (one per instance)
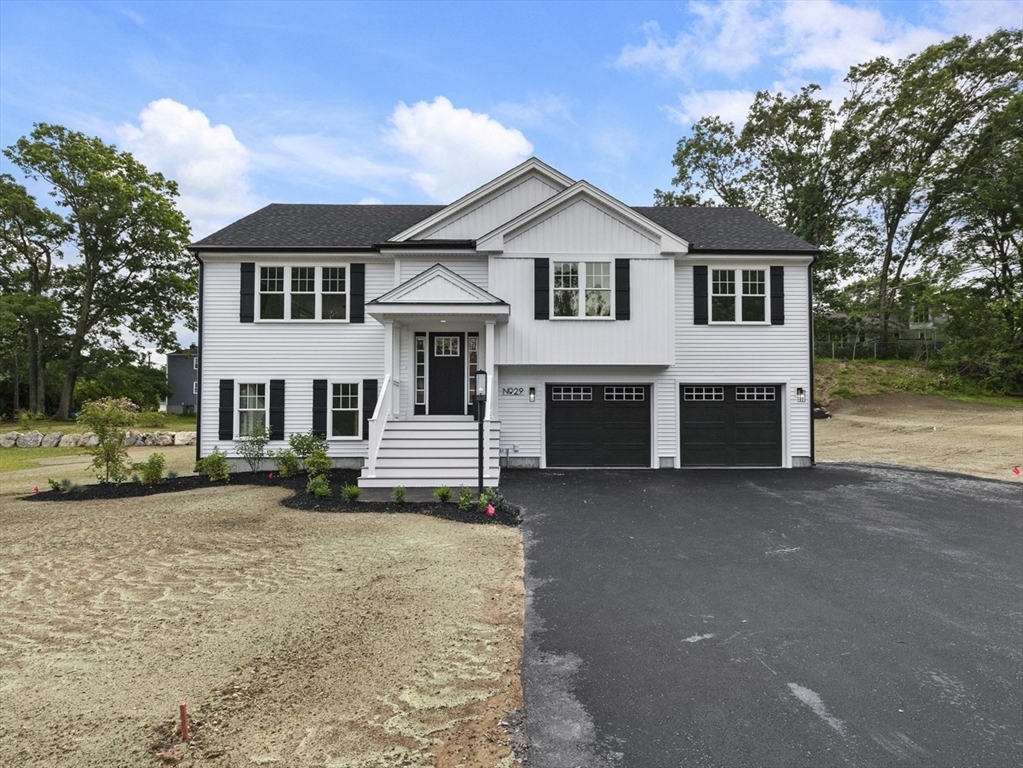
(171, 423)
(12, 459)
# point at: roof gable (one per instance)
(520, 189)
(582, 219)
(437, 285)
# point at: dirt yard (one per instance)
(925, 431)
(296, 639)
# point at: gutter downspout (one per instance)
(809, 301)
(198, 394)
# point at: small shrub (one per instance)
(27, 418)
(489, 496)
(66, 486)
(171, 474)
(252, 447)
(304, 444)
(54, 485)
(214, 466)
(464, 498)
(398, 494)
(107, 418)
(287, 462)
(318, 486)
(317, 463)
(351, 492)
(152, 469)
(442, 494)
(152, 419)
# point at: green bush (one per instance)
(304, 444)
(27, 418)
(464, 498)
(214, 466)
(54, 485)
(318, 486)
(152, 419)
(171, 474)
(317, 463)
(398, 494)
(152, 469)
(287, 462)
(252, 447)
(489, 496)
(351, 492)
(442, 494)
(108, 418)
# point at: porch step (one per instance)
(424, 454)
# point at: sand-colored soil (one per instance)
(296, 638)
(924, 431)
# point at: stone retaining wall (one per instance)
(36, 439)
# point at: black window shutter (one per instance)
(247, 313)
(700, 295)
(542, 289)
(320, 407)
(226, 431)
(369, 404)
(276, 409)
(357, 313)
(622, 307)
(777, 295)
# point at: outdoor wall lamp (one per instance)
(800, 395)
(532, 394)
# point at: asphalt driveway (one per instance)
(840, 616)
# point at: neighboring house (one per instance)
(183, 378)
(613, 336)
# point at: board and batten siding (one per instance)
(475, 270)
(581, 227)
(295, 351)
(751, 354)
(647, 338)
(495, 211)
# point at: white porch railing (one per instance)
(386, 402)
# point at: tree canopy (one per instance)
(913, 178)
(105, 267)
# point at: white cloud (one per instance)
(542, 112)
(730, 106)
(979, 18)
(453, 150)
(207, 161)
(335, 159)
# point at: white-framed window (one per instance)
(251, 408)
(738, 295)
(345, 410)
(195, 387)
(582, 289)
(754, 393)
(472, 344)
(303, 293)
(421, 370)
(195, 363)
(446, 346)
(625, 393)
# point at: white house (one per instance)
(612, 336)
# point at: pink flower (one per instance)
(490, 510)
(270, 475)
(36, 489)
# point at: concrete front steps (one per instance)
(431, 453)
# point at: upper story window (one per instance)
(582, 289)
(738, 296)
(313, 293)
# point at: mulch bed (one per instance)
(506, 514)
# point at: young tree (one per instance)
(127, 266)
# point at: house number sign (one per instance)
(511, 390)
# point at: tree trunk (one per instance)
(17, 385)
(68, 393)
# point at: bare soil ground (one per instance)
(926, 431)
(296, 638)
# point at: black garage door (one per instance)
(731, 426)
(598, 425)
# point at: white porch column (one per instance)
(489, 365)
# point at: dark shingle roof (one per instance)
(318, 226)
(725, 229)
(362, 226)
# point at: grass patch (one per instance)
(173, 423)
(834, 379)
(13, 459)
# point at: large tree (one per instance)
(127, 273)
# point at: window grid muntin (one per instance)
(446, 346)
(582, 289)
(251, 408)
(334, 280)
(344, 410)
(303, 279)
(634, 394)
(271, 279)
(755, 393)
(312, 293)
(703, 393)
(575, 394)
(738, 295)
(420, 370)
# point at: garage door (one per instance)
(598, 425)
(731, 426)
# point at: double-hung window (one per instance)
(303, 293)
(251, 408)
(345, 420)
(738, 296)
(582, 289)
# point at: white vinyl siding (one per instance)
(295, 352)
(475, 269)
(495, 211)
(581, 227)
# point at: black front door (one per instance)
(447, 374)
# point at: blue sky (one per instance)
(250, 103)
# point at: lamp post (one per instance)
(481, 407)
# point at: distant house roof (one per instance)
(303, 226)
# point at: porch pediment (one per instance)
(438, 292)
